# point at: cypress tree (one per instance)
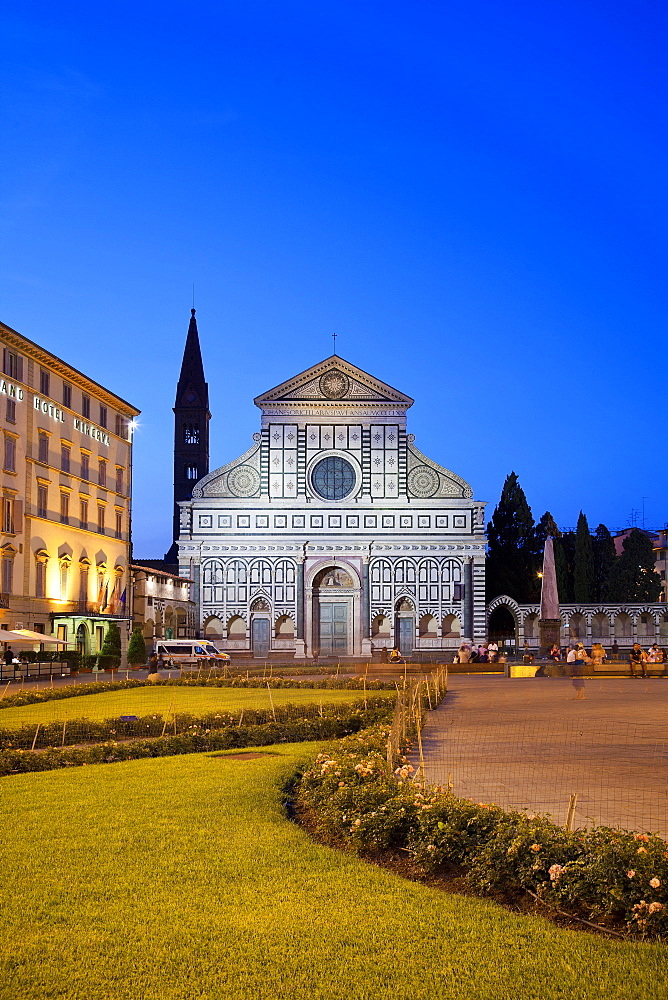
(511, 543)
(568, 548)
(136, 647)
(112, 641)
(584, 576)
(633, 577)
(605, 557)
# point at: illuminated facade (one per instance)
(333, 532)
(161, 604)
(625, 624)
(66, 486)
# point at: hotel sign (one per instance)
(57, 414)
(53, 411)
(91, 431)
(9, 389)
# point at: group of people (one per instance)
(639, 658)
(577, 658)
(486, 653)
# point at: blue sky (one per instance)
(471, 195)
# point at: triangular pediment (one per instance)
(334, 381)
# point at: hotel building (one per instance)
(66, 485)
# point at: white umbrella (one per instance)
(37, 636)
(27, 637)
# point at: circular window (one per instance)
(333, 478)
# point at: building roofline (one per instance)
(161, 572)
(42, 355)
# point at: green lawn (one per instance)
(181, 878)
(160, 700)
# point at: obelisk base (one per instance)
(549, 630)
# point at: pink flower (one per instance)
(655, 882)
(535, 847)
(630, 874)
(655, 907)
(641, 836)
(642, 850)
(555, 872)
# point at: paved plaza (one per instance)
(527, 743)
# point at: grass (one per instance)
(181, 878)
(157, 701)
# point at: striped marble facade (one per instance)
(333, 533)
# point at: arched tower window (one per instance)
(191, 472)
(191, 434)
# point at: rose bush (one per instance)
(604, 875)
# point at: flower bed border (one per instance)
(231, 738)
(75, 732)
(603, 876)
(36, 697)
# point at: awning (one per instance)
(27, 637)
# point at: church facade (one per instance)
(333, 534)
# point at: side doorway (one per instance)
(260, 638)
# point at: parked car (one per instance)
(182, 651)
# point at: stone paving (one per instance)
(527, 743)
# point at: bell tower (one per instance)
(191, 428)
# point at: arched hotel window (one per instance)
(41, 559)
(64, 578)
(83, 581)
(8, 553)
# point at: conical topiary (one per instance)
(136, 648)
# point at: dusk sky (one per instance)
(473, 196)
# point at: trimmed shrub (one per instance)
(106, 661)
(603, 875)
(195, 740)
(112, 641)
(137, 648)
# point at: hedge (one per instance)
(611, 876)
(76, 731)
(34, 697)
(196, 740)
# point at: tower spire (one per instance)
(191, 428)
(191, 378)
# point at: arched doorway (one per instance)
(82, 639)
(333, 590)
(260, 628)
(501, 626)
(405, 630)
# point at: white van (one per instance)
(182, 651)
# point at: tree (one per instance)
(136, 648)
(605, 557)
(584, 576)
(112, 641)
(511, 558)
(568, 547)
(633, 577)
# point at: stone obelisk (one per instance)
(549, 623)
